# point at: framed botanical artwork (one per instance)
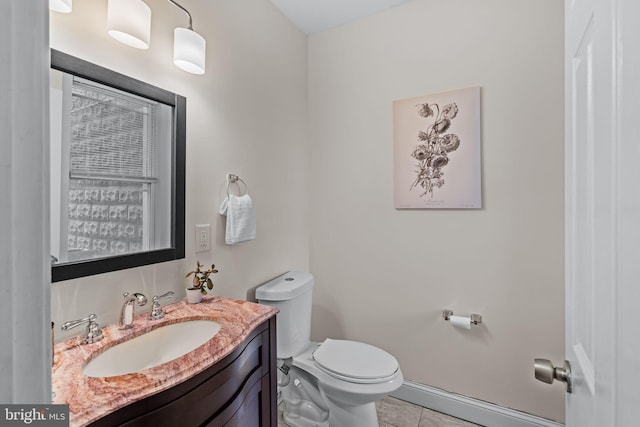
(437, 151)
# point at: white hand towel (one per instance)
(241, 219)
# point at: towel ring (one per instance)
(233, 179)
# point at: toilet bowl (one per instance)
(330, 384)
(351, 377)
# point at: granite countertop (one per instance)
(92, 398)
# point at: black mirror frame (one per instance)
(78, 67)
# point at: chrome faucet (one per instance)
(157, 312)
(127, 313)
(93, 332)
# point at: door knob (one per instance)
(546, 372)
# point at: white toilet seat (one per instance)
(355, 362)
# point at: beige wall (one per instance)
(384, 275)
(246, 115)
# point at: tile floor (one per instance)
(397, 413)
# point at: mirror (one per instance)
(117, 170)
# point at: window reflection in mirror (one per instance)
(117, 171)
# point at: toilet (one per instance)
(330, 384)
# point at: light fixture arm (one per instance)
(185, 11)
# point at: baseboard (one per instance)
(466, 408)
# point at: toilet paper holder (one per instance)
(476, 319)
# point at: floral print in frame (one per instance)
(437, 158)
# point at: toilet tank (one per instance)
(291, 294)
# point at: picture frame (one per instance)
(437, 151)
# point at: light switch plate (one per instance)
(203, 237)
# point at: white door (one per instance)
(602, 202)
(590, 180)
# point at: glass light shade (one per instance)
(129, 22)
(62, 6)
(189, 50)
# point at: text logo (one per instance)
(36, 415)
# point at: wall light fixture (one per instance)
(189, 47)
(62, 6)
(129, 22)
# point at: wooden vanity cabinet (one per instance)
(239, 390)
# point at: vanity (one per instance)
(230, 380)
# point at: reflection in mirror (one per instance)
(117, 170)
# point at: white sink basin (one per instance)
(154, 348)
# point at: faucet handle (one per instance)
(157, 312)
(93, 332)
(165, 295)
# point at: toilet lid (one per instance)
(355, 360)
